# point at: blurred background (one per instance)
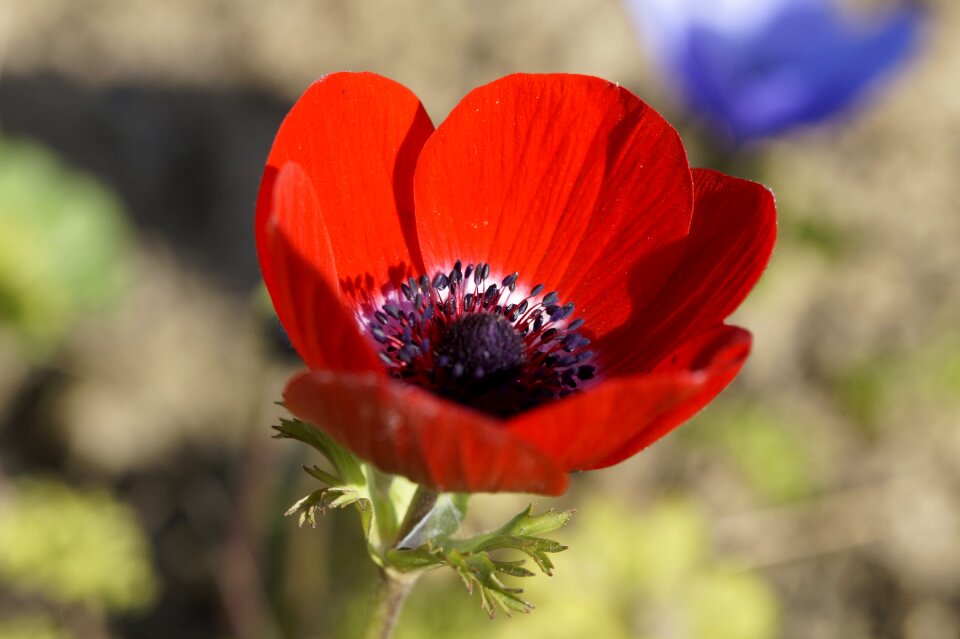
(140, 493)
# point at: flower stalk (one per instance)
(410, 528)
(391, 594)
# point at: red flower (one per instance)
(419, 275)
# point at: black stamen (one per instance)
(468, 344)
(392, 310)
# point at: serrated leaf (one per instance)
(480, 570)
(342, 460)
(509, 537)
(508, 602)
(345, 499)
(324, 499)
(318, 473)
(470, 558)
(306, 507)
(536, 549)
(414, 559)
(525, 524)
(513, 568)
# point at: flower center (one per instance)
(470, 341)
(481, 345)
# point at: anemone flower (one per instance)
(537, 286)
(757, 68)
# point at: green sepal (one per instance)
(470, 558)
(520, 534)
(513, 568)
(525, 524)
(479, 569)
(327, 499)
(318, 473)
(422, 558)
(378, 497)
(535, 548)
(345, 463)
(421, 539)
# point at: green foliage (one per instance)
(470, 558)
(410, 531)
(875, 392)
(74, 547)
(61, 246)
(731, 604)
(345, 464)
(656, 551)
(862, 392)
(764, 445)
(380, 499)
(635, 574)
(947, 369)
(30, 627)
(818, 234)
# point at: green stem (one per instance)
(390, 597)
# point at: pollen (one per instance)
(477, 341)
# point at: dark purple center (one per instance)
(483, 346)
(470, 341)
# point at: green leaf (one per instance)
(513, 568)
(422, 541)
(536, 548)
(470, 558)
(73, 547)
(420, 558)
(63, 245)
(342, 460)
(317, 473)
(479, 570)
(525, 524)
(520, 534)
(327, 499)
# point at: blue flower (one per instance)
(755, 68)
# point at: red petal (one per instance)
(408, 431)
(568, 179)
(357, 135)
(298, 268)
(621, 416)
(731, 239)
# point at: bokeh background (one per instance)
(141, 495)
